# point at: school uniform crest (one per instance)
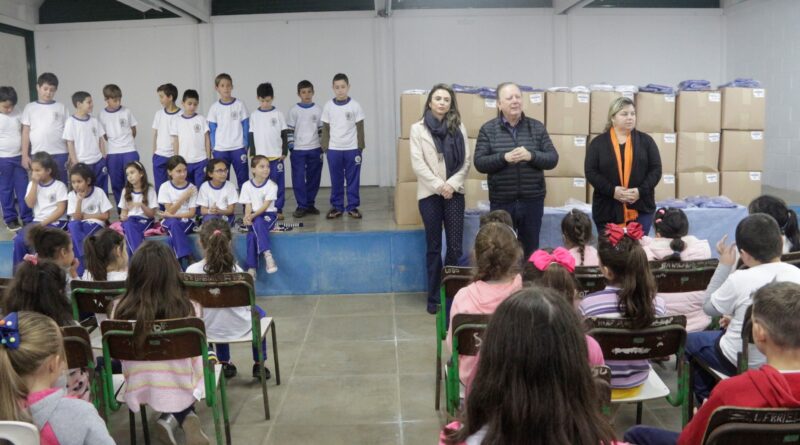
(234, 114)
(90, 209)
(357, 160)
(349, 115)
(279, 167)
(243, 158)
(56, 116)
(51, 198)
(123, 122)
(105, 170)
(94, 131)
(274, 122)
(197, 128)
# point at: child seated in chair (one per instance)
(776, 333)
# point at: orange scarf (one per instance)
(624, 172)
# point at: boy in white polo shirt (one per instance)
(13, 177)
(84, 136)
(343, 139)
(190, 138)
(162, 140)
(229, 124)
(43, 126)
(120, 126)
(271, 139)
(305, 123)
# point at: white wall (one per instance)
(762, 43)
(412, 49)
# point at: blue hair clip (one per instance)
(9, 331)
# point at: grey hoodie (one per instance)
(72, 421)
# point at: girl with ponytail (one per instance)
(786, 218)
(576, 230)
(630, 293)
(105, 256)
(498, 256)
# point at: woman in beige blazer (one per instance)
(440, 157)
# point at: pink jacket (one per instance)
(590, 257)
(689, 304)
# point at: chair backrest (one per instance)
(78, 347)
(19, 433)
(468, 331)
(590, 279)
(220, 290)
(454, 278)
(620, 341)
(746, 426)
(94, 296)
(684, 276)
(792, 258)
(172, 339)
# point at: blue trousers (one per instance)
(62, 160)
(527, 217)
(21, 248)
(100, 169)
(223, 350)
(13, 184)
(78, 231)
(237, 160)
(437, 212)
(196, 173)
(648, 435)
(134, 228)
(159, 171)
(229, 218)
(345, 167)
(178, 230)
(277, 173)
(306, 175)
(704, 346)
(116, 171)
(258, 238)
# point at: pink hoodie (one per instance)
(689, 304)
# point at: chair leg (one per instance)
(215, 413)
(145, 426)
(224, 396)
(132, 423)
(263, 375)
(275, 353)
(438, 382)
(639, 413)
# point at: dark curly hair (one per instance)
(497, 252)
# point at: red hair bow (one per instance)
(615, 232)
(33, 259)
(561, 256)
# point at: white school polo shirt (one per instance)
(85, 134)
(191, 132)
(305, 120)
(119, 129)
(257, 195)
(161, 123)
(266, 126)
(229, 134)
(342, 119)
(46, 121)
(95, 202)
(10, 134)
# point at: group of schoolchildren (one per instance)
(532, 380)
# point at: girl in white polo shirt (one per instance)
(87, 206)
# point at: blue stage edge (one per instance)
(326, 263)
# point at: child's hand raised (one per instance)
(727, 253)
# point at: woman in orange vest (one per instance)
(624, 166)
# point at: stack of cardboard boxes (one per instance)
(655, 115)
(741, 160)
(406, 210)
(476, 110)
(697, 120)
(567, 122)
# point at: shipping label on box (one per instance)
(698, 112)
(405, 172)
(743, 108)
(741, 150)
(655, 113)
(697, 152)
(697, 184)
(567, 113)
(475, 191)
(533, 105)
(598, 114)
(406, 206)
(561, 190)
(667, 148)
(475, 111)
(571, 154)
(412, 107)
(665, 189)
(741, 187)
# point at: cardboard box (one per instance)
(533, 104)
(665, 189)
(405, 173)
(598, 110)
(741, 187)
(475, 111)
(667, 148)
(567, 113)
(560, 190)
(655, 113)
(741, 151)
(406, 207)
(698, 111)
(473, 173)
(475, 190)
(697, 152)
(412, 107)
(743, 108)
(571, 154)
(698, 183)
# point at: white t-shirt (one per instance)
(168, 194)
(85, 134)
(191, 133)
(161, 123)
(152, 201)
(46, 121)
(96, 202)
(227, 323)
(306, 121)
(229, 134)
(10, 134)
(343, 119)
(47, 199)
(119, 129)
(221, 197)
(256, 195)
(266, 127)
(735, 296)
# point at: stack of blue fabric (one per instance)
(694, 85)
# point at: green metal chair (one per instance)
(174, 339)
(730, 425)
(453, 279)
(78, 349)
(468, 330)
(94, 297)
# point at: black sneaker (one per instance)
(229, 369)
(257, 373)
(13, 225)
(312, 210)
(299, 213)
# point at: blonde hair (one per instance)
(39, 339)
(616, 106)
